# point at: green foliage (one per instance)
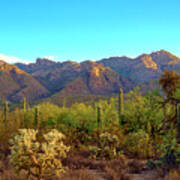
(39, 159)
(143, 112)
(169, 152)
(140, 134)
(109, 114)
(176, 95)
(169, 81)
(139, 144)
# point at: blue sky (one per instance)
(87, 29)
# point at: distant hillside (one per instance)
(143, 68)
(16, 84)
(103, 77)
(70, 78)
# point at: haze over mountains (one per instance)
(45, 78)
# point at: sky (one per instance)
(87, 29)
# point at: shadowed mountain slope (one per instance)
(16, 84)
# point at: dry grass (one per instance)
(173, 175)
(82, 174)
(135, 166)
(6, 174)
(82, 168)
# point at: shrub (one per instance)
(170, 153)
(138, 143)
(39, 159)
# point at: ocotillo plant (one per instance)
(36, 118)
(99, 115)
(6, 111)
(178, 120)
(120, 106)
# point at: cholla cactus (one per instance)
(107, 146)
(108, 139)
(38, 159)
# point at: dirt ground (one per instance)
(83, 168)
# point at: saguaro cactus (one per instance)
(6, 112)
(36, 118)
(120, 106)
(178, 120)
(25, 107)
(99, 115)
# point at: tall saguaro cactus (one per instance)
(25, 106)
(6, 112)
(178, 120)
(99, 115)
(36, 118)
(120, 106)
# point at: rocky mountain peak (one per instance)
(44, 61)
(148, 62)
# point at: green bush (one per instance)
(170, 152)
(139, 144)
(144, 112)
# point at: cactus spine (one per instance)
(178, 120)
(120, 106)
(6, 113)
(36, 118)
(99, 115)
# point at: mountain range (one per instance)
(46, 78)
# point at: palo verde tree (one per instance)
(170, 82)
